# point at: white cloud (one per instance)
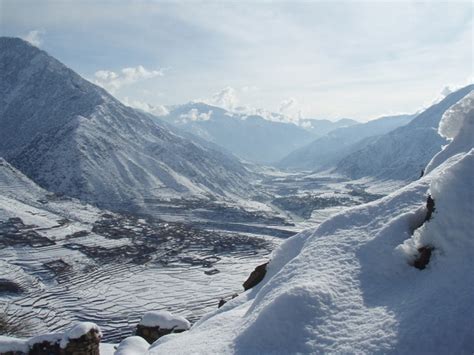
(34, 37)
(446, 91)
(195, 115)
(291, 111)
(113, 81)
(158, 110)
(226, 98)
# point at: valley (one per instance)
(70, 261)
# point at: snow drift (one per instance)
(349, 286)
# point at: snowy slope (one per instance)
(348, 286)
(72, 137)
(21, 197)
(404, 152)
(250, 137)
(327, 150)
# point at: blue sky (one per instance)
(316, 59)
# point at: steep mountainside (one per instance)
(404, 152)
(72, 137)
(251, 137)
(327, 150)
(22, 198)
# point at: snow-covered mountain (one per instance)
(327, 150)
(404, 152)
(250, 137)
(72, 137)
(351, 285)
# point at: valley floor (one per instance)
(68, 261)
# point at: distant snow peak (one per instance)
(195, 115)
(113, 81)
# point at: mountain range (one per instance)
(250, 137)
(402, 153)
(328, 149)
(72, 137)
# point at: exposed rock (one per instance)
(82, 339)
(256, 276)
(156, 324)
(48, 344)
(430, 206)
(222, 301)
(423, 258)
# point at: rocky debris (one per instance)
(423, 258)
(156, 324)
(256, 276)
(9, 286)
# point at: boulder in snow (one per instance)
(45, 344)
(81, 338)
(156, 324)
(256, 276)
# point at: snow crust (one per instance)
(134, 345)
(165, 320)
(77, 331)
(457, 125)
(454, 119)
(348, 286)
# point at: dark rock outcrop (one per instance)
(423, 258)
(430, 207)
(88, 344)
(222, 301)
(45, 345)
(256, 276)
(151, 334)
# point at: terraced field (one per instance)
(120, 268)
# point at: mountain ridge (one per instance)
(74, 138)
